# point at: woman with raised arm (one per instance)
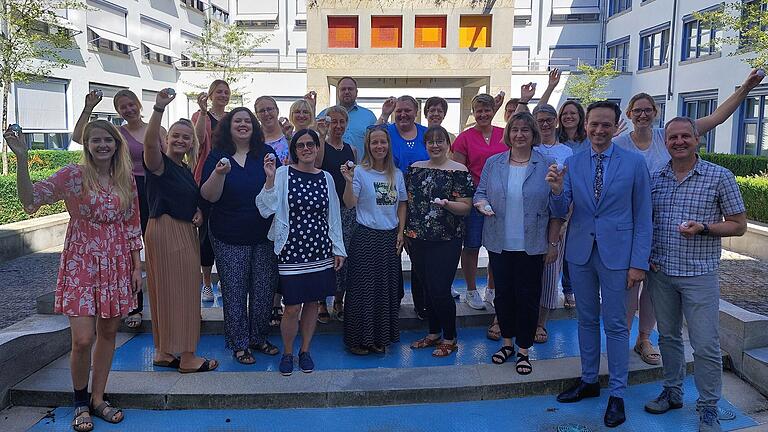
(128, 106)
(376, 189)
(233, 176)
(173, 251)
(306, 231)
(650, 142)
(205, 121)
(100, 271)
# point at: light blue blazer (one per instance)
(536, 191)
(620, 223)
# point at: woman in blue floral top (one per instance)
(439, 196)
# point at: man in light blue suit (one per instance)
(609, 243)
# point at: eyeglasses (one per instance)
(266, 110)
(302, 146)
(436, 143)
(639, 111)
(550, 120)
(376, 126)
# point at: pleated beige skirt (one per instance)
(173, 279)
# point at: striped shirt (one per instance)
(707, 194)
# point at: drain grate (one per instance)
(573, 427)
(724, 414)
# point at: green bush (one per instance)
(10, 206)
(46, 159)
(740, 165)
(754, 190)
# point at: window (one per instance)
(107, 28)
(42, 105)
(475, 31)
(616, 6)
(569, 57)
(156, 41)
(342, 31)
(699, 105)
(654, 47)
(194, 4)
(619, 52)
(219, 14)
(521, 58)
(47, 140)
(430, 31)
(575, 11)
(754, 133)
(699, 39)
(101, 43)
(661, 105)
(261, 14)
(106, 108)
(386, 32)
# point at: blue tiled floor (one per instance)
(540, 413)
(328, 351)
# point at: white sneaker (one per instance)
(455, 294)
(207, 295)
(490, 294)
(474, 300)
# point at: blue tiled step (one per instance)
(538, 413)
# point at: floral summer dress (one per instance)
(427, 221)
(96, 264)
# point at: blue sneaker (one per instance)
(305, 362)
(286, 364)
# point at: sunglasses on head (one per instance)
(376, 126)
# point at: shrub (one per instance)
(754, 190)
(740, 165)
(46, 159)
(10, 206)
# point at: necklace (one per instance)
(549, 146)
(517, 161)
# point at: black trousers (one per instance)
(141, 189)
(434, 263)
(518, 290)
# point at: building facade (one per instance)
(454, 51)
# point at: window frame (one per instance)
(626, 43)
(651, 35)
(709, 96)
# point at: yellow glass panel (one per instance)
(475, 31)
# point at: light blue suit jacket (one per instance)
(620, 223)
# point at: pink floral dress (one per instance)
(96, 264)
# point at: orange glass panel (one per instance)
(430, 31)
(475, 31)
(386, 32)
(342, 32)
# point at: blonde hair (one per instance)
(638, 97)
(130, 95)
(338, 109)
(215, 84)
(302, 103)
(190, 158)
(121, 167)
(389, 163)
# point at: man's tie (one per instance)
(599, 176)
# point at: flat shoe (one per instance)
(208, 365)
(648, 353)
(174, 364)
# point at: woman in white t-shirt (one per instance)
(377, 189)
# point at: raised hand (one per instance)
(388, 107)
(286, 126)
(223, 166)
(15, 142)
(498, 100)
(348, 172)
(555, 178)
(754, 78)
(92, 99)
(163, 99)
(554, 77)
(527, 91)
(269, 165)
(311, 97)
(202, 102)
(322, 127)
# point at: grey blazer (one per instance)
(536, 190)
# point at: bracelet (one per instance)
(157, 109)
(522, 103)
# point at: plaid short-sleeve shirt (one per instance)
(706, 195)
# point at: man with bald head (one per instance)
(359, 117)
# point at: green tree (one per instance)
(31, 45)
(223, 50)
(589, 86)
(745, 27)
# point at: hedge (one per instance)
(740, 165)
(10, 206)
(754, 190)
(46, 159)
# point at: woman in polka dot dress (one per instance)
(308, 240)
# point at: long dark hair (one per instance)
(222, 135)
(295, 139)
(581, 131)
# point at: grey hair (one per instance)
(484, 100)
(691, 122)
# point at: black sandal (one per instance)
(245, 358)
(503, 354)
(266, 347)
(523, 365)
(277, 316)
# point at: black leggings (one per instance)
(141, 189)
(434, 263)
(517, 276)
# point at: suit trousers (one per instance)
(592, 282)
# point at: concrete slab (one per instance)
(21, 418)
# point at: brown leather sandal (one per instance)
(425, 342)
(445, 349)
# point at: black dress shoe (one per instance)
(614, 413)
(579, 391)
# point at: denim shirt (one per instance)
(536, 192)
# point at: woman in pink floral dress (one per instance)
(100, 270)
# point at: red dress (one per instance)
(96, 264)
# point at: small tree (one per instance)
(590, 85)
(222, 49)
(747, 23)
(31, 45)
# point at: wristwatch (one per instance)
(705, 231)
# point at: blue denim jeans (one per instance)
(697, 298)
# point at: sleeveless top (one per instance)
(136, 149)
(332, 162)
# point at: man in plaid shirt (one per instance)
(695, 203)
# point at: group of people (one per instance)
(295, 211)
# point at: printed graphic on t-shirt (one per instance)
(385, 195)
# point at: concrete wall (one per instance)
(29, 236)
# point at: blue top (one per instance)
(359, 119)
(405, 152)
(234, 217)
(578, 146)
